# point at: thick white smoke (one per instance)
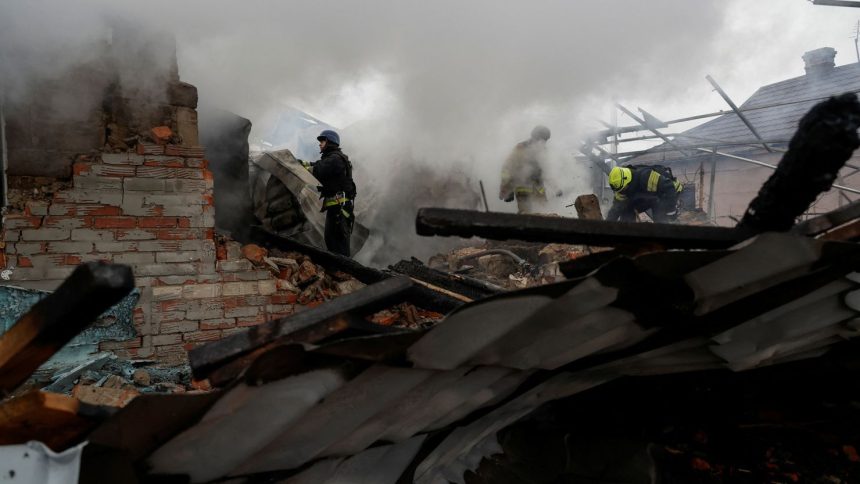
(451, 85)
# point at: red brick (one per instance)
(2, 259)
(252, 321)
(172, 163)
(149, 149)
(284, 298)
(22, 222)
(118, 345)
(98, 210)
(185, 151)
(114, 222)
(208, 335)
(184, 223)
(178, 234)
(207, 175)
(59, 221)
(24, 261)
(217, 324)
(81, 168)
(209, 200)
(161, 134)
(72, 260)
(156, 222)
(166, 306)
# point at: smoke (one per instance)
(443, 87)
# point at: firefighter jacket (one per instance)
(649, 188)
(334, 171)
(522, 173)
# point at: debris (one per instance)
(406, 315)
(104, 396)
(90, 290)
(141, 377)
(161, 134)
(254, 253)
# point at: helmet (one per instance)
(329, 136)
(619, 178)
(540, 132)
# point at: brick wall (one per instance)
(154, 212)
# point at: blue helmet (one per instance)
(329, 136)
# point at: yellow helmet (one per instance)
(619, 178)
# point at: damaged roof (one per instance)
(774, 110)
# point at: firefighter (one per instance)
(522, 175)
(334, 171)
(641, 188)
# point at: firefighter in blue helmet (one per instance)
(334, 172)
(642, 188)
(522, 174)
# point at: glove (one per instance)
(510, 197)
(306, 164)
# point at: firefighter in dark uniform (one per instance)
(642, 188)
(334, 171)
(522, 174)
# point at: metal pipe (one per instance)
(737, 111)
(837, 3)
(634, 129)
(484, 196)
(519, 260)
(4, 156)
(653, 130)
(768, 165)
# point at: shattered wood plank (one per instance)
(849, 231)
(206, 358)
(90, 290)
(825, 139)
(822, 223)
(151, 420)
(58, 421)
(541, 228)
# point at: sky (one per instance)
(450, 85)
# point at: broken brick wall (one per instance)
(126, 194)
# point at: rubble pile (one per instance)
(510, 264)
(406, 315)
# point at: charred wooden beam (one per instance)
(466, 286)
(541, 228)
(825, 139)
(311, 325)
(90, 290)
(421, 296)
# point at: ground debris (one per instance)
(510, 264)
(406, 315)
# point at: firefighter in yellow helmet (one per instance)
(522, 175)
(642, 188)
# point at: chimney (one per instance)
(819, 61)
